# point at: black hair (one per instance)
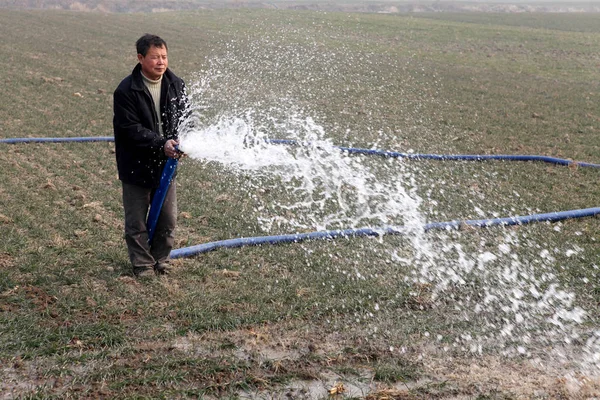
(144, 43)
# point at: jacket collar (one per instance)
(137, 82)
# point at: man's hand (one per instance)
(170, 150)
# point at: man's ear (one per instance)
(140, 57)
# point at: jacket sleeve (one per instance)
(128, 125)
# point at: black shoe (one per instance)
(162, 269)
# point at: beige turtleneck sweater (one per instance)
(154, 89)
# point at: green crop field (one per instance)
(341, 319)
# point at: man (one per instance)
(148, 106)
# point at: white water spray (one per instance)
(517, 304)
(504, 297)
(324, 188)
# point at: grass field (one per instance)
(294, 321)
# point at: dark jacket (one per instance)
(139, 145)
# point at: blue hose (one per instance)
(351, 150)
(333, 234)
(59, 139)
(159, 196)
(446, 157)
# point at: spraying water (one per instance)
(502, 288)
(517, 304)
(325, 188)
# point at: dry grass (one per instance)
(292, 321)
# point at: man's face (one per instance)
(155, 63)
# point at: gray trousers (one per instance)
(136, 204)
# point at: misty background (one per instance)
(379, 6)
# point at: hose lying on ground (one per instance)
(333, 234)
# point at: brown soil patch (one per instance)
(6, 261)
